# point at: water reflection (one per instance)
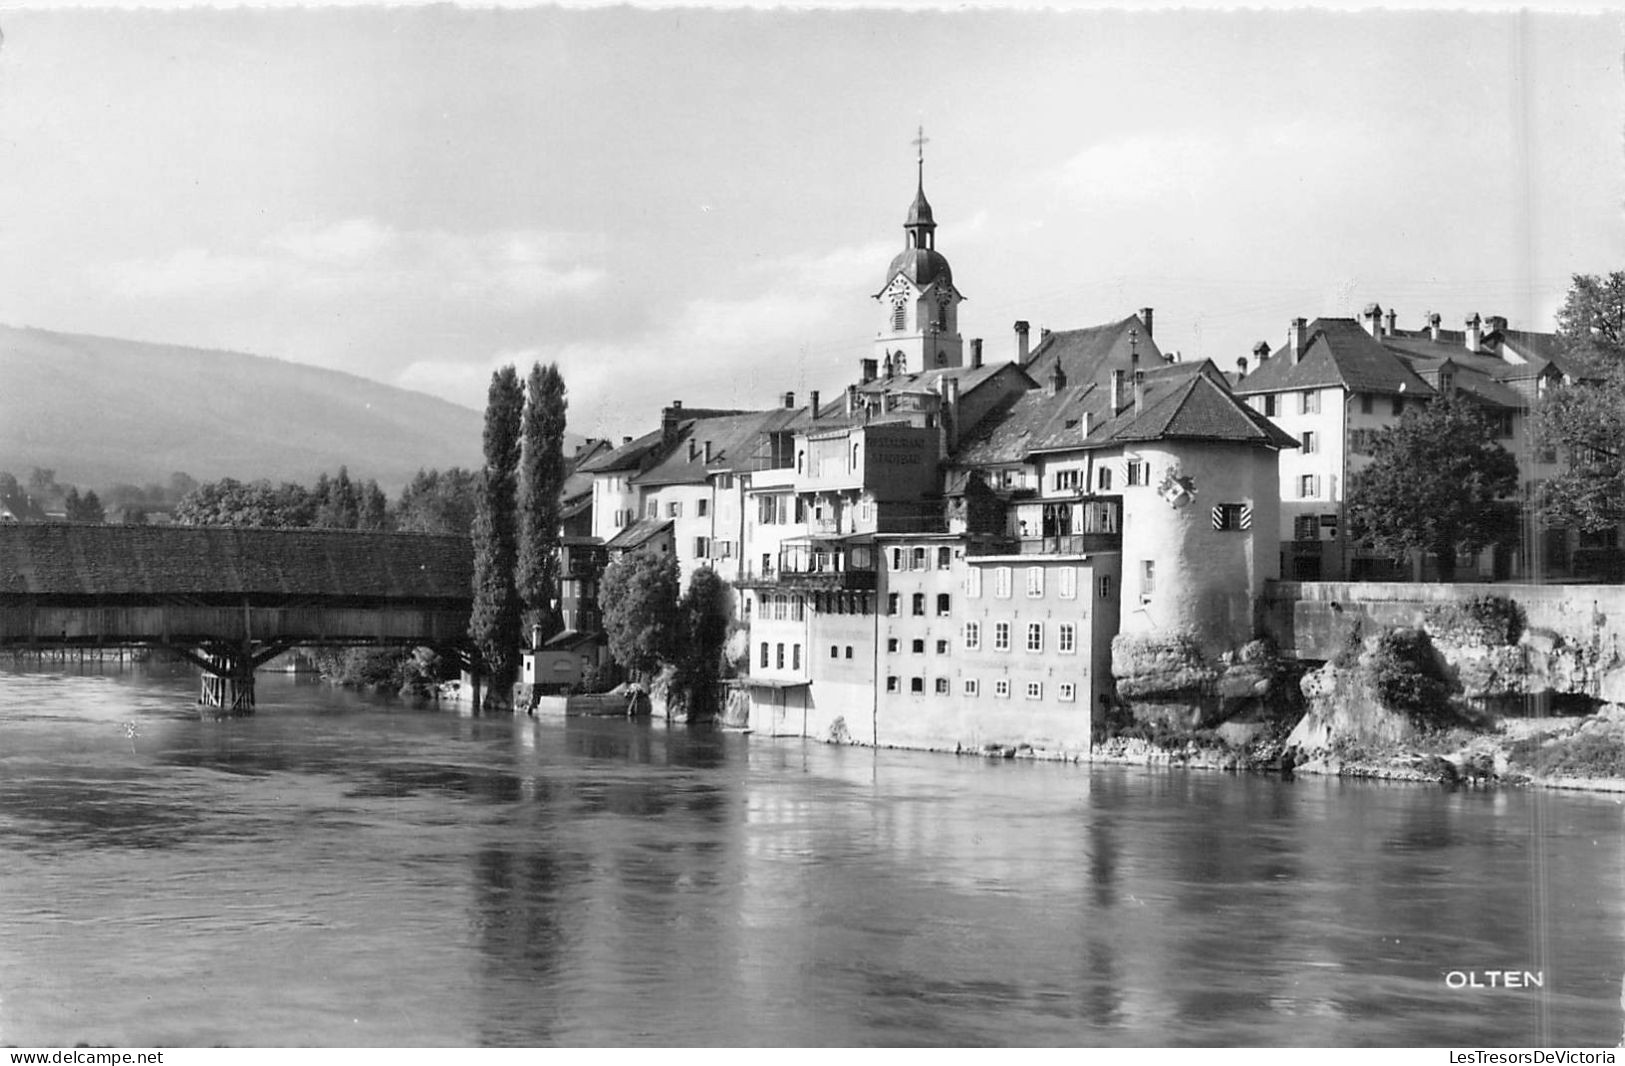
(346, 871)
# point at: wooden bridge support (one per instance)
(227, 684)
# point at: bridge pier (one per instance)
(227, 681)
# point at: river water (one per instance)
(339, 870)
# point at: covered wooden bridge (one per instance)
(230, 600)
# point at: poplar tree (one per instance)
(541, 482)
(494, 625)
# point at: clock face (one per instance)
(945, 293)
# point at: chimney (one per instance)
(812, 404)
(668, 422)
(789, 399)
(1497, 323)
(625, 441)
(1389, 323)
(1261, 351)
(1057, 379)
(1295, 339)
(976, 353)
(852, 399)
(1043, 333)
(1434, 318)
(1021, 342)
(868, 370)
(1475, 333)
(1371, 319)
(1241, 368)
(1117, 391)
(1083, 423)
(693, 449)
(1139, 391)
(887, 367)
(535, 637)
(1145, 317)
(953, 394)
(706, 451)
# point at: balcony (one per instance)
(809, 580)
(1070, 544)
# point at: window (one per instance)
(944, 605)
(779, 656)
(897, 558)
(1001, 688)
(1035, 581)
(891, 643)
(1001, 582)
(702, 547)
(1306, 527)
(702, 507)
(834, 651)
(971, 686)
(894, 684)
(674, 510)
(849, 651)
(973, 636)
(1309, 402)
(917, 646)
(1067, 480)
(653, 510)
(919, 559)
(1148, 578)
(1269, 405)
(1066, 639)
(1139, 472)
(1001, 636)
(1066, 692)
(899, 316)
(1035, 690)
(945, 558)
(1232, 517)
(1035, 636)
(1308, 486)
(798, 609)
(1103, 478)
(918, 602)
(942, 686)
(973, 583)
(1399, 405)
(916, 684)
(942, 647)
(1309, 442)
(795, 657)
(1367, 402)
(1069, 582)
(764, 655)
(1106, 587)
(892, 601)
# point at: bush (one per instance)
(1407, 677)
(1587, 754)
(1489, 621)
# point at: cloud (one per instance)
(361, 257)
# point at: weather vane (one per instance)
(919, 142)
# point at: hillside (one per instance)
(99, 411)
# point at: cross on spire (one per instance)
(919, 142)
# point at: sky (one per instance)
(699, 204)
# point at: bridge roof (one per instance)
(57, 559)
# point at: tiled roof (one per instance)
(1087, 354)
(203, 561)
(638, 534)
(626, 457)
(1183, 401)
(734, 443)
(1337, 352)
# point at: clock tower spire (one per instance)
(920, 306)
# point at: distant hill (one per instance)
(100, 411)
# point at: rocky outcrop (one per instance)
(1167, 681)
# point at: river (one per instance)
(346, 871)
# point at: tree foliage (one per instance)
(494, 626)
(439, 501)
(1437, 482)
(1584, 424)
(1591, 322)
(229, 502)
(639, 595)
(541, 481)
(702, 627)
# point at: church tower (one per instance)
(919, 327)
